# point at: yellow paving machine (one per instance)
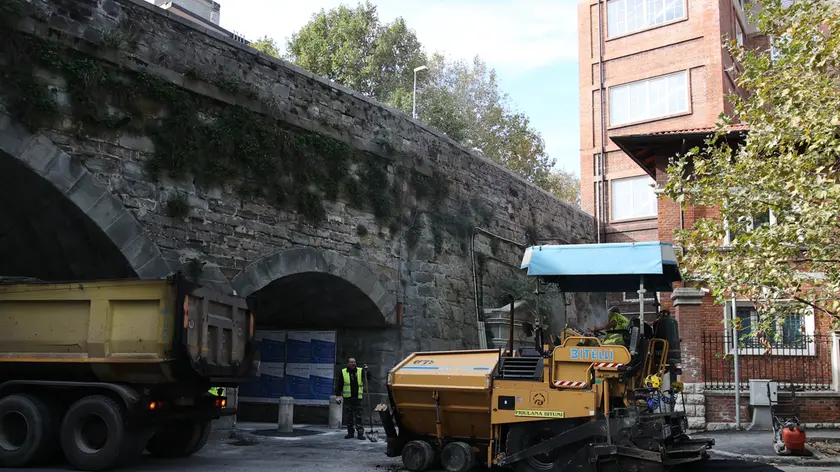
(568, 403)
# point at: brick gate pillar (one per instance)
(688, 310)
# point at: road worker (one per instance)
(615, 321)
(350, 390)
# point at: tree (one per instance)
(350, 46)
(462, 99)
(564, 185)
(267, 46)
(778, 191)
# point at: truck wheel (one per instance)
(524, 435)
(418, 456)
(179, 439)
(457, 457)
(26, 430)
(94, 436)
(205, 428)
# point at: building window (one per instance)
(748, 224)
(627, 16)
(633, 197)
(787, 334)
(649, 99)
(739, 33)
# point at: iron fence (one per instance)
(804, 363)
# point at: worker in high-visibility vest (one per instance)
(615, 321)
(350, 388)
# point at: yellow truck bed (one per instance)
(122, 330)
(458, 384)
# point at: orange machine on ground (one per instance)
(569, 403)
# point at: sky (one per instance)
(532, 44)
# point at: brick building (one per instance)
(653, 79)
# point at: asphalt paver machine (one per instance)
(568, 403)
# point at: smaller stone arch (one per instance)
(302, 260)
(79, 186)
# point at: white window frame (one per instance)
(655, 213)
(808, 321)
(739, 33)
(628, 32)
(626, 86)
(727, 239)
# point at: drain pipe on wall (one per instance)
(479, 316)
(602, 164)
(682, 208)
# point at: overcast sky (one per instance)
(531, 43)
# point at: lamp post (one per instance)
(414, 93)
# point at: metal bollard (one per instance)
(285, 414)
(335, 413)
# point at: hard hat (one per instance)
(614, 309)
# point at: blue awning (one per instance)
(616, 267)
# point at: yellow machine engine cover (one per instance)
(453, 385)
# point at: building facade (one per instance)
(205, 13)
(653, 80)
(646, 66)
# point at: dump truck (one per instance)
(569, 402)
(100, 371)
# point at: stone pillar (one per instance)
(335, 413)
(688, 304)
(285, 414)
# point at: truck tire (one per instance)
(94, 436)
(179, 438)
(26, 430)
(521, 436)
(203, 437)
(418, 456)
(457, 457)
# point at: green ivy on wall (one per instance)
(211, 142)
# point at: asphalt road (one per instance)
(329, 452)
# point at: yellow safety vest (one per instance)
(346, 374)
(621, 322)
(217, 391)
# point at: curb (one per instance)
(785, 460)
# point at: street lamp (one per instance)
(414, 94)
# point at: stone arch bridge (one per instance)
(134, 143)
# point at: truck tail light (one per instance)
(186, 311)
(221, 402)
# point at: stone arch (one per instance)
(72, 180)
(306, 260)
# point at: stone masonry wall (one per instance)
(226, 233)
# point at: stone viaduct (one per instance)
(134, 143)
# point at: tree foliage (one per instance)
(461, 98)
(352, 47)
(778, 191)
(267, 45)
